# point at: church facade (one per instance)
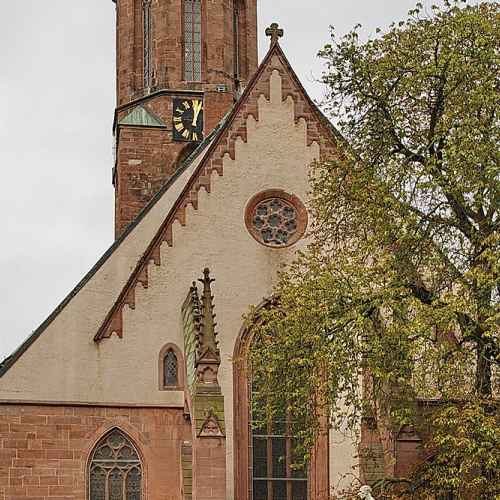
(136, 387)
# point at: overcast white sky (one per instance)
(56, 110)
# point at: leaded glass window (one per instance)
(236, 35)
(115, 471)
(275, 474)
(147, 31)
(192, 40)
(171, 378)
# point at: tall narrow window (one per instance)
(148, 42)
(192, 40)
(267, 450)
(115, 469)
(274, 474)
(236, 41)
(171, 369)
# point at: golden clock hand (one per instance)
(197, 105)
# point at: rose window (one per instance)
(276, 221)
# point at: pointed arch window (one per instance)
(236, 40)
(192, 40)
(265, 450)
(115, 469)
(273, 475)
(148, 42)
(171, 368)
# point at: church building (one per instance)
(137, 386)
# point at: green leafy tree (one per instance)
(396, 300)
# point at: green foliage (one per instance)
(467, 439)
(397, 296)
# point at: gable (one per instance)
(105, 339)
(319, 130)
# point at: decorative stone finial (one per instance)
(208, 354)
(208, 323)
(274, 32)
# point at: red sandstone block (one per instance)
(15, 443)
(59, 454)
(66, 480)
(61, 491)
(49, 480)
(37, 491)
(11, 410)
(20, 471)
(31, 454)
(31, 481)
(5, 454)
(33, 419)
(13, 491)
(56, 444)
(70, 464)
(66, 420)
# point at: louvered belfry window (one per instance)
(192, 40)
(115, 469)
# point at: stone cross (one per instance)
(274, 32)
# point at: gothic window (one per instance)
(236, 35)
(192, 40)
(147, 31)
(266, 463)
(171, 368)
(274, 473)
(115, 469)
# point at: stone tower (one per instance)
(180, 66)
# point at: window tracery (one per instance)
(115, 470)
(276, 219)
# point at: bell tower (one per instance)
(181, 64)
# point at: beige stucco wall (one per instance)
(66, 365)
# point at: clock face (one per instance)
(188, 120)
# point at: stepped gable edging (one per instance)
(318, 130)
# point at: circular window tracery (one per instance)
(276, 219)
